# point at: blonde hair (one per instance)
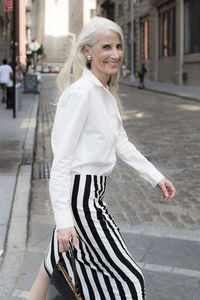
(77, 59)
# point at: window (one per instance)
(145, 37)
(192, 26)
(167, 30)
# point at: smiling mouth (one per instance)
(112, 64)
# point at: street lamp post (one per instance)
(132, 77)
(34, 46)
(14, 58)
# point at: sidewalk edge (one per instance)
(17, 233)
(162, 92)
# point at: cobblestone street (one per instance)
(166, 130)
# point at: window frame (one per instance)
(189, 31)
(143, 21)
(167, 36)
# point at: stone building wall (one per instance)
(55, 23)
(164, 69)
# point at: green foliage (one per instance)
(41, 51)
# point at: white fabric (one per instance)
(5, 71)
(86, 136)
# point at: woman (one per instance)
(141, 75)
(87, 135)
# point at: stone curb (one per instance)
(162, 92)
(17, 233)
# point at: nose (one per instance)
(115, 53)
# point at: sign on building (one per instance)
(8, 5)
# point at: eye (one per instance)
(106, 46)
(119, 46)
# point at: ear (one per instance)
(86, 50)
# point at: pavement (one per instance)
(163, 239)
(184, 91)
(17, 138)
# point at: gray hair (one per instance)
(77, 59)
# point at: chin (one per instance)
(112, 72)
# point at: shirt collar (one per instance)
(88, 74)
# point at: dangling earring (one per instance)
(89, 58)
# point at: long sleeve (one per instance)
(127, 152)
(71, 114)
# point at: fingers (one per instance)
(64, 236)
(167, 188)
(74, 240)
(172, 191)
(63, 246)
(165, 193)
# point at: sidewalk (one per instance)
(186, 92)
(17, 138)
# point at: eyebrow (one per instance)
(109, 44)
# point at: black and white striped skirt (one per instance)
(105, 267)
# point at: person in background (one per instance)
(5, 76)
(124, 74)
(141, 75)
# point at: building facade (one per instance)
(55, 23)
(6, 31)
(166, 36)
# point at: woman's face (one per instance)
(106, 54)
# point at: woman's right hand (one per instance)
(64, 236)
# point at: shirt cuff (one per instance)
(63, 219)
(157, 177)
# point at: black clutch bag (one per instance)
(61, 286)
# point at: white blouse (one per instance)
(87, 135)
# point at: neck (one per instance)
(103, 78)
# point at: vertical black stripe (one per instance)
(123, 245)
(101, 187)
(46, 269)
(120, 255)
(53, 261)
(98, 285)
(110, 224)
(105, 277)
(104, 188)
(107, 255)
(67, 258)
(94, 273)
(114, 229)
(96, 186)
(87, 281)
(99, 241)
(109, 287)
(77, 218)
